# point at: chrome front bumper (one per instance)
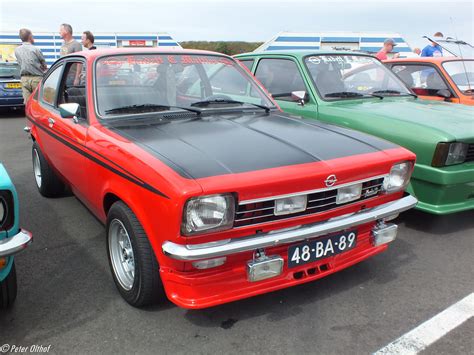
(13, 245)
(265, 240)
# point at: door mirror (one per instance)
(69, 110)
(299, 96)
(444, 93)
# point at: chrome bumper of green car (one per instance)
(443, 190)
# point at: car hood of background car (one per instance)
(443, 120)
(240, 142)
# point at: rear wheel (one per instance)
(8, 289)
(132, 261)
(47, 182)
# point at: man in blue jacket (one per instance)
(433, 49)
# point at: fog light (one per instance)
(264, 268)
(384, 233)
(207, 264)
(289, 205)
(348, 193)
(3, 262)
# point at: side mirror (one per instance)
(69, 110)
(299, 96)
(444, 93)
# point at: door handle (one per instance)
(51, 122)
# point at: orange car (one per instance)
(437, 78)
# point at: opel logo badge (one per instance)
(330, 180)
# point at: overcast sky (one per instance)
(256, 20)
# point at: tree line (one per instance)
(225, 47)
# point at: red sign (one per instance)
(137, 43)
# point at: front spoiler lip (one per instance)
(13, 245)
(265, 240)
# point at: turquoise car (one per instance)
(12, 239)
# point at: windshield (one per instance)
(352, 76)
(128, 84)
(462, 73)
(9, 70)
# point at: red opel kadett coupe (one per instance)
(209, 192)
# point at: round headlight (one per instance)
(3, 211)
(398, 178)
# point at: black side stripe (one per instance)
(129, 177)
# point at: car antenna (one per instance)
(460, 52)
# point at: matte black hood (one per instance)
(221, 144)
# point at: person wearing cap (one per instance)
(433, 49)
(388, 46)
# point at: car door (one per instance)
(281, 77)
(66, 144)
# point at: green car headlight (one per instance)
(208, 214)
(449, 154)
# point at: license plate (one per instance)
(13, 86)
(321, 248)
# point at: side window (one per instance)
(50, 86)
(227, 80)
(247, 62)
(422, 79)
(281, 77)
(73, 88)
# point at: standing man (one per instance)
(388, 46)
(433, 49)
(87, 40)
(70, 45)
(31, 61)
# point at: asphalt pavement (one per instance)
(67, 298)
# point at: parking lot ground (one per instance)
(67, 298)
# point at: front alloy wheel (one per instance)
(121, 254)
(132, 261)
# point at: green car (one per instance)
(357, 91)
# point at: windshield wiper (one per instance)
(149, 108)
(344, 94)
(380, 93)
(226, 101)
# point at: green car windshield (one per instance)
(462, 73)
(150, 83)
(352, 76)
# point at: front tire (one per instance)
(131, 258)
(8, 289)
(47, 182)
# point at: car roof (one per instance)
(437, 60)
(100, 52)
(302, 53)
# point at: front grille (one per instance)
(261, 212)
(470, 153)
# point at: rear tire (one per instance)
(132, 261)
(8, 289)
(47, 182)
